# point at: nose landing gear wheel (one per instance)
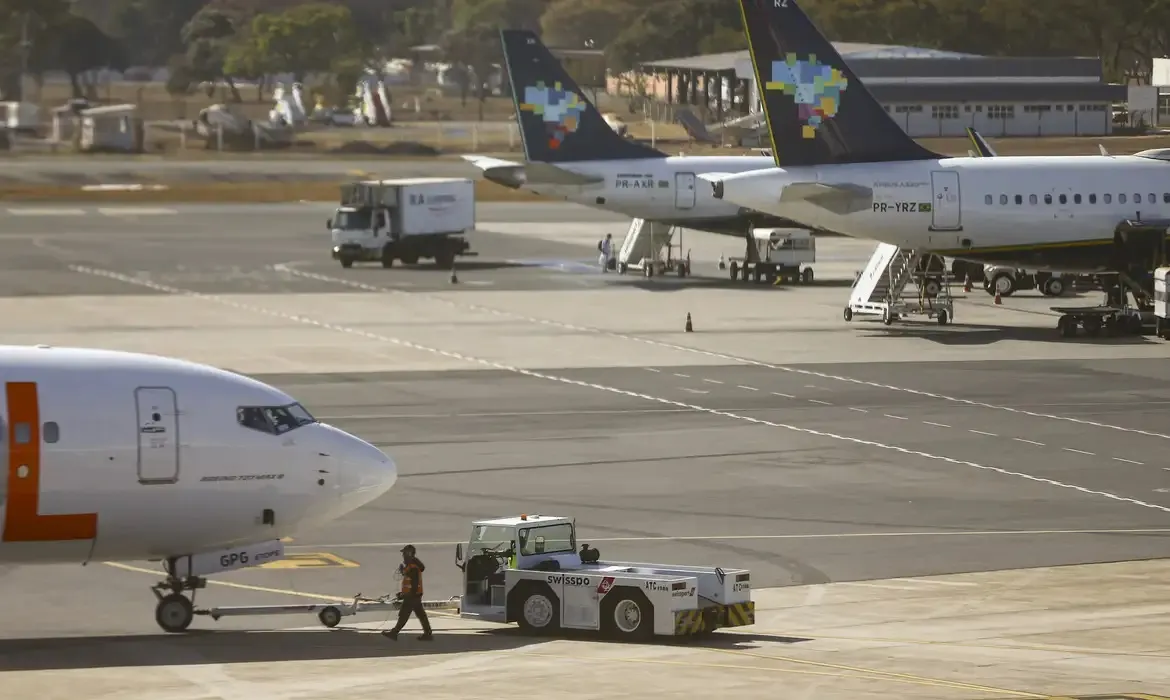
(330, 616)
(174, 613)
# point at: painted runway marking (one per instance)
(934, 582)
(135, 211)
(1080, 452)
(937, 425)
(694, 391)
(812, 536)
(1030, 442)
(823, 403)
(888, 415)
(651, 369)
(712, 381)
(859, 410)
(980, 432)
(1129, 461)
(723, 356)
(44, 211)
(609, 389)
(748, 388)
(684, 376)
(787, 396)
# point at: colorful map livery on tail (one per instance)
(818, 112)
(560, 109)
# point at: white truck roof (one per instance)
(519, 520)
(407, 181)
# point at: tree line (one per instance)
(217, 41)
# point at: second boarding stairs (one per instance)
(880, 289)
(649, 246)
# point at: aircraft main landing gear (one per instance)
(175, 612)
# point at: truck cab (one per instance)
(358, 233)
(529, 570)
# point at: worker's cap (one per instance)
(408, 548)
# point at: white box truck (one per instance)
(407, 220)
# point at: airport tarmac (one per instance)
(840, 462)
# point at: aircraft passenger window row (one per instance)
(274, 420)
(1150, 198)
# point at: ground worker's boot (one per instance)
(390, 634)
(426, 637)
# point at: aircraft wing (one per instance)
(839, 199)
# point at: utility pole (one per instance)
(25, 50)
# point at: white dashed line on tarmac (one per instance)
(651, 369)
(890, 415)
(712, 381)
(684, 376)
(1130, 461)
(718, 355)
(1080, 452)
(747, 388)
(786, 396)
(1030, 442)
(981, 432)
(823, 403)
(859, 410)
(937, 425)
(223, 301)
(694, 391)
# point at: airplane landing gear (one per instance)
(175, 611)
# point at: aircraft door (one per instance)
(946, 211)
(684, 191)
(158, 434)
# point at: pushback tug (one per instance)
(528, 570)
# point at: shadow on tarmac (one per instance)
(202, 647)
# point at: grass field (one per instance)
(224, 192)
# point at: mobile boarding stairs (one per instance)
(880, 289)
(649, 246)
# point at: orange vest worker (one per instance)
(412, 577)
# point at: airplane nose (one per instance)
(366, 472)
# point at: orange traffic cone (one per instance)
(997, 299)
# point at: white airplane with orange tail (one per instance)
(130, 457)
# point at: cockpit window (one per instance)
(275, 420)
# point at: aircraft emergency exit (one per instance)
(842, 164)
(123, 456)
(572, 153)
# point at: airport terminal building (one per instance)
(928, 92)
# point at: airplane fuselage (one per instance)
(664, 189)
(1056, 213)
(121, 456)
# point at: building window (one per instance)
(1037, 109)
(944, 112)
(978, 108)
(1001, 111)
(1059, 108)
(1070, 108)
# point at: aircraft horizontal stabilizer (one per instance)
(840, 199)
(487, 162)
(513, 174)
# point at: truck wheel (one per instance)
(410, 258)
(346, 263)
(539, 612)
(627, 615)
